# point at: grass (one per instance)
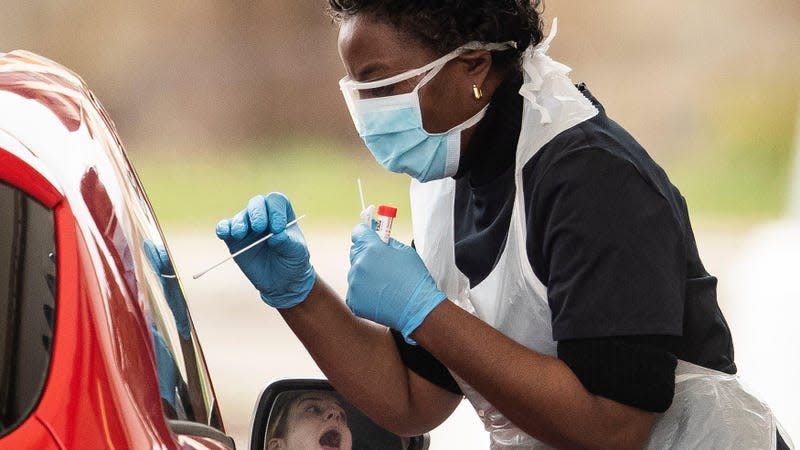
(743, 172)
(739, 186)
(740, 174)
(320, 180)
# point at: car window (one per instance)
(182, 380)
(129, 227)
(27, 303)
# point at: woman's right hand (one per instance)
(280, 267)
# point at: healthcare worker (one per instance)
(554, 279)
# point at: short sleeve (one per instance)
(608, 247)
(421, 362)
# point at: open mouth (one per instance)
(331, 439)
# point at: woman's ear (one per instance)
(275, 444)
(476, 64)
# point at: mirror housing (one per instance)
(366, 435)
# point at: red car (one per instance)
(97, 347)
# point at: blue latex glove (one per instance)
(166, 369)
(389, 284)
(279, 267)
(161, 264)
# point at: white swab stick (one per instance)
(239, 252)
(361, 194)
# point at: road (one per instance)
(247, 345)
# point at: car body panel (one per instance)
(32, 434)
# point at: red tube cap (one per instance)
(387, 211)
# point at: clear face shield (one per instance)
(358, 93)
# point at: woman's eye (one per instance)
(383, 91)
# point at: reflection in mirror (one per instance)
(311, 415)
(308, 420)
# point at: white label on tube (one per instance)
(384, 229)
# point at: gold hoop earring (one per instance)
(476, 92)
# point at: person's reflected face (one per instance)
(315, 421)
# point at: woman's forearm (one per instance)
(538, 393)
(361, 360)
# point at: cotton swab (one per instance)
(239, 252)
(361, 194)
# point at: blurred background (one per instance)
(219, 100)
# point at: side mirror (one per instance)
(311, 414)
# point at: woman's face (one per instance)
(373, 51)
(314, 421)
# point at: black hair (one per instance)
(444, 25)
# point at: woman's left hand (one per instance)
(388, 283)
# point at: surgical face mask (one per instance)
(388, 118)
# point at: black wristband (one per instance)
(421, 362)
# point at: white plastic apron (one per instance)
(710, 409)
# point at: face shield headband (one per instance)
(353, 91)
